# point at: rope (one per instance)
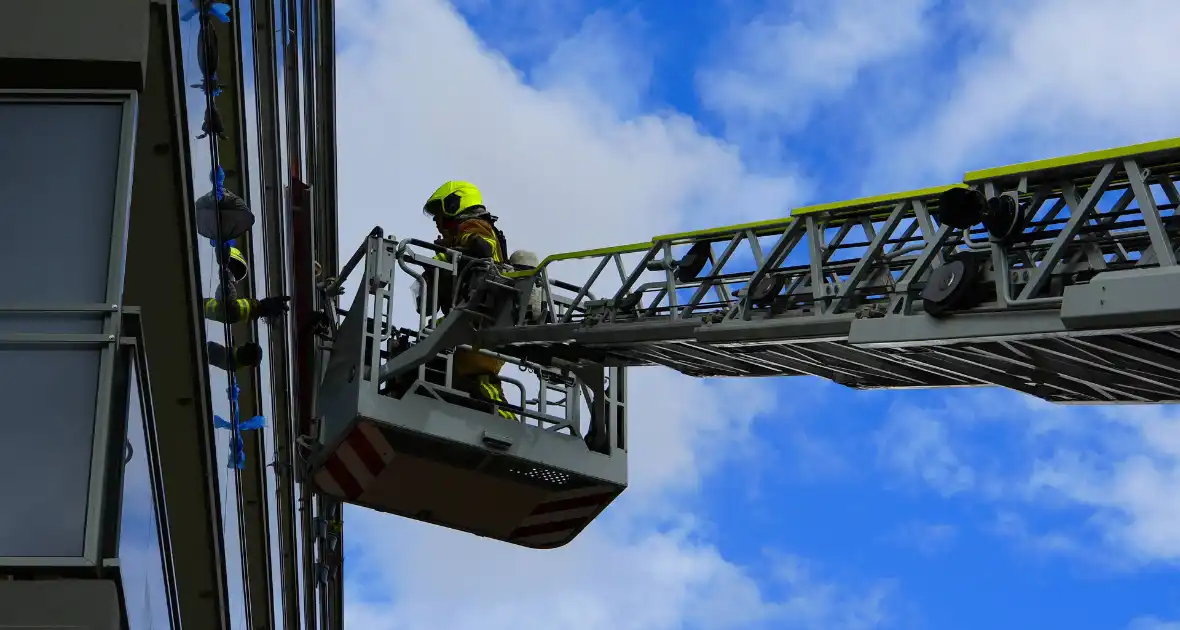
(208, 14)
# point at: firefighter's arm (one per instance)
(245, 309)
(476, 246)
(230, 311)
(478, 240)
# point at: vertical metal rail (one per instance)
(265, 30)
(300, 150)
(251, 485)
(305, 240)
(308, 500)
(313, 32)
(326, 239)
(303, 306)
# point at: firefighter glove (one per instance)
(273, 306)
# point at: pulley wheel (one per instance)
(766, 290)
(693, 262)
(950, 286)
(1003, 218)
(629, 302)
(960, 208)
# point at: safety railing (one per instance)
(547, 392)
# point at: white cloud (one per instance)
(1049, 77)
(1152, 623)
(615, 577)
(817, 604)
(785, 61)
(915, 442)
(525, 28)
(420, 101)
(1015, 527)
(939, 90)
(603, 59)
(1109, 473)
(1129, 485)
(645, 565)
(926, 538)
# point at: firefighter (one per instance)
(228, 308)
(465, 225)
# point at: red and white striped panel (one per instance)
(365, 452)
(359, 460)
(557, 520)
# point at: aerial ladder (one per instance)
(1055, 278)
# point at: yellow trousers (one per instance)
(484, 388)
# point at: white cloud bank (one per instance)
(1116, 468)
(1048, 77)
(1152, 623)
(1129, 483)
(942, 87)
(1038, 79)
(797, 55)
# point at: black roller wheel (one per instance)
(960, 208)
(1003, 218)
(950, 286)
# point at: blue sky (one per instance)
(792, 503)
(945, 556)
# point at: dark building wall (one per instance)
(73, 44)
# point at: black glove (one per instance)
(273, 306)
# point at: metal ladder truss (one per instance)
(396, 435)
(1056, 278)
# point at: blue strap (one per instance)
(236, 447)
(209, 84)
(217, 178)
(237, 451)
(219, 10)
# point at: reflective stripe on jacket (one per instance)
(467, 362)
(234, 311)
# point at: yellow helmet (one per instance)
(452, 200)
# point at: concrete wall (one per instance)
(73, 44)
(59, 604)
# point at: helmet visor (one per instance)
(446, 207)
(433, 208)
